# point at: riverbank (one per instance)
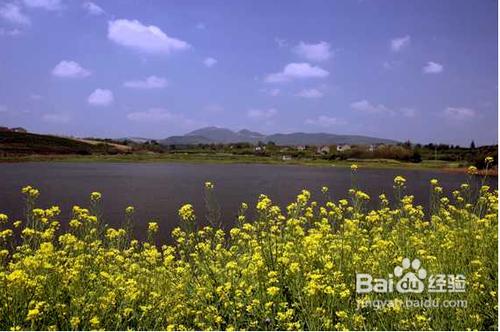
(221, 158)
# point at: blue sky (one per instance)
(419, 70)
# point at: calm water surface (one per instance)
(157, 190)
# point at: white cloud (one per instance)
(271, 92)
(201, 26)
(70, 69)
(44, 4)
(391, 64)
(408, 112)
(366, 107)
(12, 13)
(274, 92)
(56, 117)
(151, 115)
(432, 68)
(149, 39)
(209, 62)
(297, 71)
(101, 97)
(459, 113)
(159, 115)
(397, 44)
(10, 32)
(261, 114)
(310, 93)
(314, 52)
(325, 121)
(151, 82)
(281, 42)
(92, 8)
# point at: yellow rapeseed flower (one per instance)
(33, 314)
(399, 181)
(186, 212)
(74, 321)
(95, 196)
(472, 170)
(272, 291)
(276, 267)
(153, 227)
(94, 322)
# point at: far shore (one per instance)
(439, 165)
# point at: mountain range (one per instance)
(210, 135)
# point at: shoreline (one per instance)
(442, 166)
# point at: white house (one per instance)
(343, 147)
(325, 149)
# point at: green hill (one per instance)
(14, 143)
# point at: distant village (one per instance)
(320, 149)
(18, 141)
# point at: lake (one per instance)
(157, 190)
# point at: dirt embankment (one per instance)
(489, 172)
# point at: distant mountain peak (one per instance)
(208, 130)
(249, 132)
(223, 135)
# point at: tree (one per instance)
(472, 145)
(416, 157)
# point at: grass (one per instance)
(292, 267)
(14, 143)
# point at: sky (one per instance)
(419, 70)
